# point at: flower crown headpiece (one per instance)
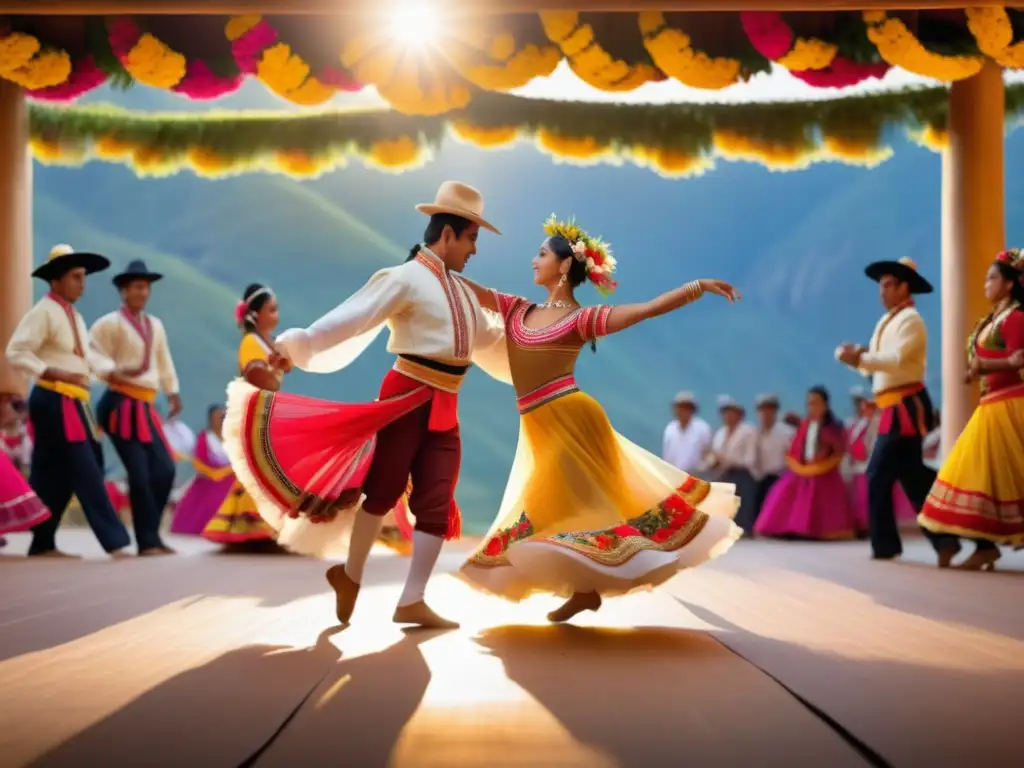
(593, 251)
(242, 308)
(1014, 259)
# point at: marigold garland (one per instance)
(673, 53)
(258, 51)
(84, 77)
(485, 137)
(503, 53)
(817, 62)
(591, 62)
(901, 48)
(26, 62)
(143, 56)
(993, 31)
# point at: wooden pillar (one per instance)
(15, 224)
(973, 229)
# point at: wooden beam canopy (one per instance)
(329, 7)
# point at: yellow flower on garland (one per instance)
(588, 59)
(899, 47)
(153, 63)
(993, 32)
(576, 150)
(16, 51)
(397, 155)
(809, 53)
(500, 58)
(671, 163)
(491, 137)
(773, 154)
(49, 68)
(673, 53)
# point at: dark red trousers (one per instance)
(408, 448)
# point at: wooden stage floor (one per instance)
(783, 654)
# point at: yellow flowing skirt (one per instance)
(979, 492)
(587, 510)
(237, 520)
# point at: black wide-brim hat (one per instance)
(904, 270)
(136, 270)
(64, 258)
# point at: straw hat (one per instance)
(63, 258)
(685, 398)
(459, 199)
(904, 270)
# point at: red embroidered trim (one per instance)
(455, 305)
(544, 394)
(525, 336)
(70, 312)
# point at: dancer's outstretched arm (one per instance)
(485, 296)
(624, 316)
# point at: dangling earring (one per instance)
(564, 279)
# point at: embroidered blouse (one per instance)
(134, 347)
(538, 356)
(51, 335)
(430, 312)
(816, 449)
(898, 353)
(253, 351)
(996, 338)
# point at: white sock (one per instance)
(425, 550)
(365, 530)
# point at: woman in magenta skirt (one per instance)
(810, 500)
(212, 482)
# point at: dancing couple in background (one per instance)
(585, 514)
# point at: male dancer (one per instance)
(896, 362)
(129, 351)
(50, 344)
(436, 327)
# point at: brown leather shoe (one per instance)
(984, 560)
(579, 602)
(345, 590)
(421, 615)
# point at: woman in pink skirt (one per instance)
(810, 501)
(861, 439)
(20, 508)
(212, 482)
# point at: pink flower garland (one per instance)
(199, 82)
(84, 77)
(773, 38)
(249, 49)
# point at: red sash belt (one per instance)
(893, 405)
(563, 385)
(443, 380)
(130, 420)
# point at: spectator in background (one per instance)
(773, 440)
(687, 438)
(732, 458)
(858, 396)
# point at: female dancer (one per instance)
(979, 493)
(810, 500)
(586, 513)
(237, 521)
(20, 508)
(212, 482)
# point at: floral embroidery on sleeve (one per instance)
(592, 322)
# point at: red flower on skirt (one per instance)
(677, 503)
(603, 542)
(662, 535)
(493, 548)
(626, 530)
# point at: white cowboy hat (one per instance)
(684, 398)
(459, 199)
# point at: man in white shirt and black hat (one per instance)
(130, 352)
(51, 345)
(733, 457)
(896, 361)
(687, 437)
(774, 438)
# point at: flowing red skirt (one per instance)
(284, 447)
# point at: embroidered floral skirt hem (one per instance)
(979, 493)
(808, 508)
(281, 445)
(237, 520)
(20, 508)
(587, 510)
